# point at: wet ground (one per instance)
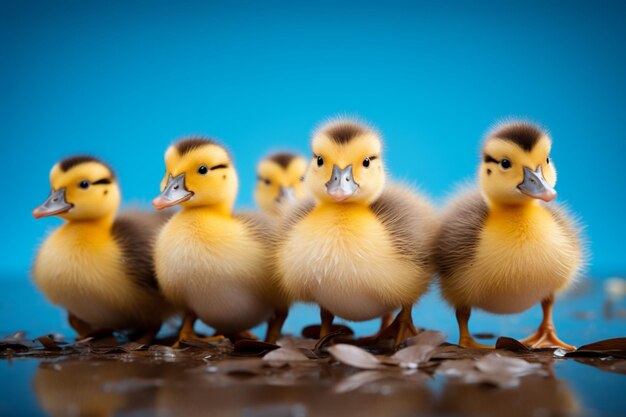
(57, 377)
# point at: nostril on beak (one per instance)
(55, 199)
(347, 179)
(176, 187)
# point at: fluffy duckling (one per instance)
(280, 181)
(209, 261)
(361, 249)
(98, 266)
(503, 249)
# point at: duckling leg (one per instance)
(147, 338)
(385, 322)
(275, 326)
(546, 336)
(401, 328)
(187, 332)
(82, 328)
(327, 321)
(465, 338)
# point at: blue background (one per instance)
(122, 81)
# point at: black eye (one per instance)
(84, 184)
(301, 179)
(320, 161)
(547, 160)
(366, 162)
(505, 163)
(267, 182)
(203, 170)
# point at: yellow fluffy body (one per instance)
(522, 256)
(212, 264)
(341, 257)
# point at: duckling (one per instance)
(98, 266)
(280, 181)
(360, 249)
(210, 262)
(504, 249)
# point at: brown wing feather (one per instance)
(458, 237)
(409, 219)
(135, 232)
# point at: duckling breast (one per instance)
(344, 259)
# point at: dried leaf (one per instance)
(253, 347)
(48, 343)
(354, 356)
(494, 363)
(617, 344)
(412, 356)
(428, 337)
(285, 354)
(514, 345)
(313, 331)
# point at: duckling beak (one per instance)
(55, 204)
(173, 193)
(286, 194)
(341, 185)
(535, 185)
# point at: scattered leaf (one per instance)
(285, 354)
(48, 343)
(354, 356)
(313, 331)
(427, 337)
(607, 345)
(412, 356)
(514, 345)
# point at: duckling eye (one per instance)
(84, 184)
(505, 164)
(366, 162)
(548, 160)
(320, 161)
(267, 182)
(301, 179)
(203, 170)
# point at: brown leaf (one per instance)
(48, 343)
(607, 345)
(253, 347)
(354, 356)
(313, 331)
(508, 343)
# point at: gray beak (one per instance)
(174, 193)
(55, 204)
(287, 194)
(535, 185)
(341, 185)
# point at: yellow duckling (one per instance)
(505, 249)
(280, 181)
(98, 266)
(361, 250)
(209, 261)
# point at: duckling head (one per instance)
(199, 173)
(82, 188)
(516, 168)
(280, 180)
(347, 164)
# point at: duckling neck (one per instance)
(92, 228)
(220, 209)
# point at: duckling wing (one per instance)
(410, 221)
(135, 233)
(262, 226)
(459, 234)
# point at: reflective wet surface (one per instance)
(56, 377)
